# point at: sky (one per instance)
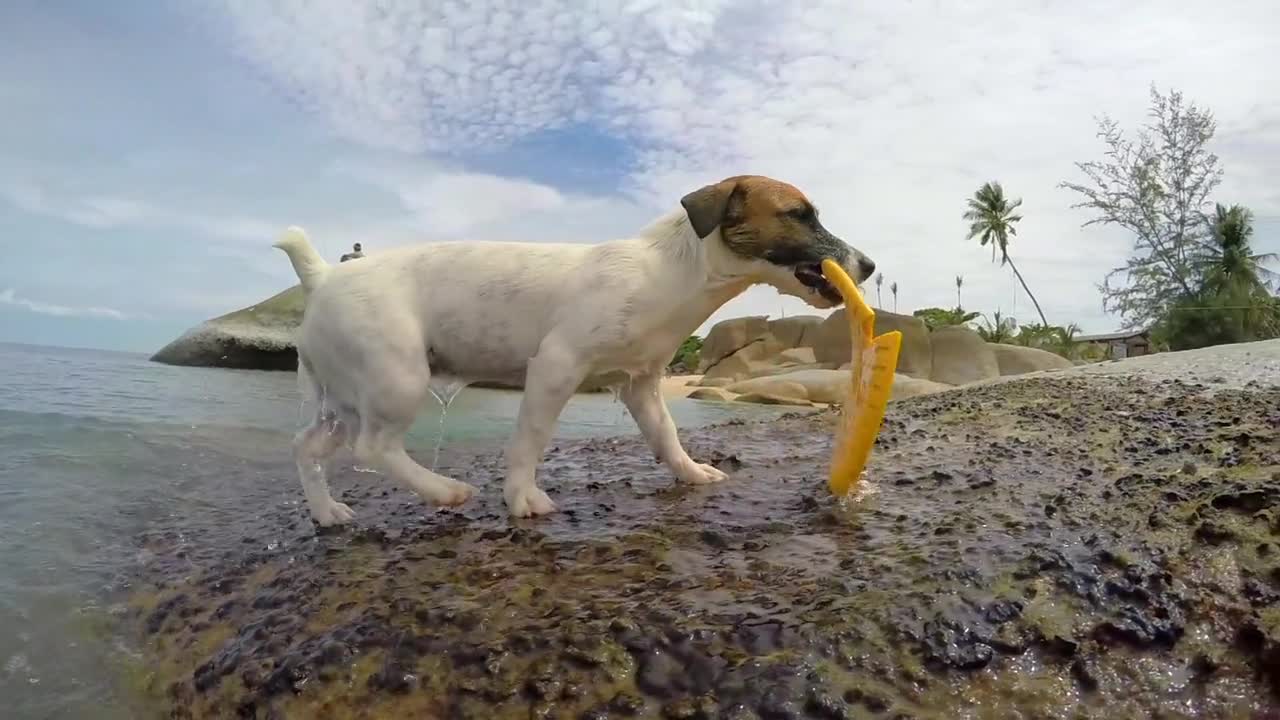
(153, 151)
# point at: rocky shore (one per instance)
(1079, 544)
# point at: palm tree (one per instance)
(893, 288)
(1232, 268)
(992, 219)
(879, 282)
(1068, 346)
(999, 331)
(959, 284)
(1235, 277)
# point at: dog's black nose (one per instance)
(866, 265)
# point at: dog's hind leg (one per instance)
(554, 374)
(312, 449)
(390, 403)
(643, 398)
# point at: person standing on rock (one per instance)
(356, 252)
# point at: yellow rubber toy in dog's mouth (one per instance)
(873, 363)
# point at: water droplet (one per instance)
(444, 389)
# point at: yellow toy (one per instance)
(874, 361)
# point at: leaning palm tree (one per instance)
(992, 220)
(893, 288)
(879, 282)
(959, 284)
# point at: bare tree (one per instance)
(1156, 186)
(893, 288)
(879, 282)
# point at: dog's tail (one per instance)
(311, 268)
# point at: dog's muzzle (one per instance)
(810, 275)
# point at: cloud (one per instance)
(101, 212)
(446, 202)
(10, 298)
(887, 114)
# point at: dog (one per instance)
(545, 316)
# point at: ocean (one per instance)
(96, 448)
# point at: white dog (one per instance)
(547, 316)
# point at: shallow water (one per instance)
(98, 448)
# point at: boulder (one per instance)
(716, 382)
(906, 387)
(796, 331)
(960, 356)
(710, 393)
(766, 369)
(798, 356)
(1016, 360)
(756, 358)
(833, 345)
(776, 386)
(258, 337)
(728, 337)
(824, 386)
(766, 399)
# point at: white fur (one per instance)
(548, 315)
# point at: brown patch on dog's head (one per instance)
(760, 218)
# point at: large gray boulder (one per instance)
(258, 337)
(833, 345)
(728, 337)
(1018, 360)
(961, 356)
(797, 331)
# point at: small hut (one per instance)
(1118, 345)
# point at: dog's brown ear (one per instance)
(707, 206)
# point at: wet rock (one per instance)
(626, 704)
(1076, 537)
(778, 704)
(821, 705)
(951, 644)
(660, 674)
(700, 708)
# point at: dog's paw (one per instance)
(335, 513)
(528, 501)
(452, 494)
(701, 474)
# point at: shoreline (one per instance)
(1033, 537)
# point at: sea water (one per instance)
(97, 448)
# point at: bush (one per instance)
(1204, 320)
(686, 357)
(935, 318)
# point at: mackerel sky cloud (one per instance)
(160, 149)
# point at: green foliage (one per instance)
(1156, 186)
(686, 357)
(1206, 319)
(996, 329)
(1192, 277)
(935, 318)
(1053, 338)
(1234, 301)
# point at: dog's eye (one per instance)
(804, 214)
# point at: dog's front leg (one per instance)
(554, 374)
(643, 397)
